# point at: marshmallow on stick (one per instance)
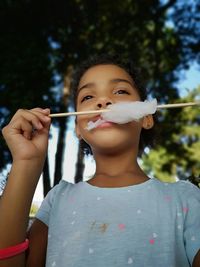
(100, 111)
(124, 112)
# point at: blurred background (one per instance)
(41, 42)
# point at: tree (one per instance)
(40, 40)
(178, 155)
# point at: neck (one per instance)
(117, 170)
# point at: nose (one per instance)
(104, 104)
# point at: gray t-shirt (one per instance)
(152, 224)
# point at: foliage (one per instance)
(33, 210)
(178, 155)
(40, 40)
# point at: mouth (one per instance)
(105, 124)
(98, 122)
(96, 118)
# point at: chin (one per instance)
(113, 139)
(113, 145)
(113, 151)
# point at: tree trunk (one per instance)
(80, 166)
(60, 150)
(46, 177)
(62, 127)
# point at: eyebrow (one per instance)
(117, 80)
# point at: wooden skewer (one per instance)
(87, 112)
(178, 105)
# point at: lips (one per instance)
(96, 118)
(105, 124)
(98, 122)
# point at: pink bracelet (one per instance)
(14, 250)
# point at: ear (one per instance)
(148, 122)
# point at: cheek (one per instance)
(121, 134)
(85, 105)
(134, 125)
(81, 119)
(81, 124)
(134, 131)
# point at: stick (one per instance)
(178, 105)
(87, 112)
(78, 113)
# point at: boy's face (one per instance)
(100, 86)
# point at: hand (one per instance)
(27, 134)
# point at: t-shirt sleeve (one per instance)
(192, 221)
(43, 213)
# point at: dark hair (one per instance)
(146, 138)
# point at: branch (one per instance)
(163, 8)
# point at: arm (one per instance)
(38, 234)
(28, 151)
(196, 262)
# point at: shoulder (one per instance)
(60, 188)
(186, 189)
(53, 198)
(188, 194)
(182, 187)
(61, 192)
(181, 191)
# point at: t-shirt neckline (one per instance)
(143, 184)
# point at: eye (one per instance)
(121, 91)
(85, 98)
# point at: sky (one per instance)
(190, 79)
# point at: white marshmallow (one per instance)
(91, 125)
(124, 112)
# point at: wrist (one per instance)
(14, 250)
(27, 169)
(29, 164)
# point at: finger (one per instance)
(43, 115)
(20, 127)
(27, 135)
(36, 119)
(43, 110)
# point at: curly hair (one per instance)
(147, 136)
